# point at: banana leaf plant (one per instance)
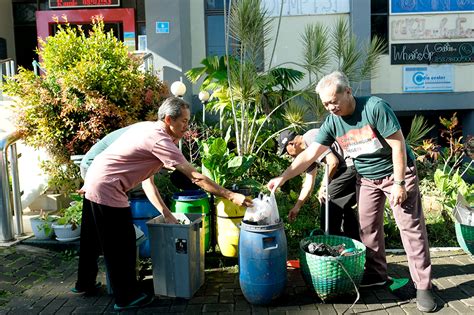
(221, 164)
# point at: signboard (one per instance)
(428, 53)
(430, 6)
(162, 27)
(305, 7)
(428, 79)
(429, 27)
(56, 4)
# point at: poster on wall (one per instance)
(305, 7)
(430, 6)
(428, 53)
(431, 27)
(129, 40)
(428, 78)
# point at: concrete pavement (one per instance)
(34, 280)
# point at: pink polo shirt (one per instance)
(136, 155)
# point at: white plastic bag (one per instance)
(463, 213)
(264, 210)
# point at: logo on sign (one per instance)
(418, 78)
(162, 27)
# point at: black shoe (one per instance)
(87, 291)
(369, 281)
(142, 300)
(425, 301)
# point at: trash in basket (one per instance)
(330, 276)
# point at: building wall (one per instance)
(413, 28)
(429, 28)
(289, 47)
(6, 27)
(184, 48)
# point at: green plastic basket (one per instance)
(465, 237)
(325, 274)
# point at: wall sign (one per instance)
(439, 26)
(428, 79)
(162, 27)
(305, 7)
(428, 53)
(56, 4)
(430, 6)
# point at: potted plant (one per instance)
(41, 225)
(226, 169)
(68, 226)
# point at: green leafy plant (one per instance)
(250, 95)
(418, 130)
(220, 164)
(90, 85)
(72, 214)
(448, 177)
(47, 220)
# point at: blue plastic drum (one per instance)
(142, 211)
(262, 262)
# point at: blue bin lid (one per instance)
(190, 195)
(142, 208)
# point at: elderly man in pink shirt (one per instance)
(107, 225)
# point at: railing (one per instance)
(147, 60)
(7, 69)
(37, 68)
(8, 156)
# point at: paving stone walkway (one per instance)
(37, 281)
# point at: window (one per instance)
(215, 30)
(379, 19)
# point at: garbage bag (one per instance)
(463, 213)
(264, 210)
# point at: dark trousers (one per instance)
(343, 219)
(110, 231)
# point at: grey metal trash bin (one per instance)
(177, 255)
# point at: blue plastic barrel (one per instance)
(262, 262)
(143, 211)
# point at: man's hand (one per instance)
(169, 217)
(274, 183)
(241, 200)
(293, 214)
(398, 194)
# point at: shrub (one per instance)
(90, 86)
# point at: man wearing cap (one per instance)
(341, 189)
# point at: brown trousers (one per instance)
(371, 197)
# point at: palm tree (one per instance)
(254, 97)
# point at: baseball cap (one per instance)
(283, 139)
